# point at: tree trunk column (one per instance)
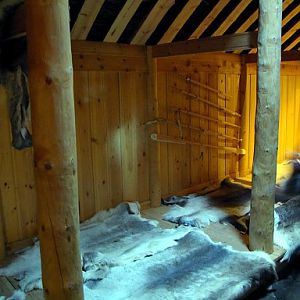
(266, 126)
(53, 126)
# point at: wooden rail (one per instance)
(195, 97)
(206, 117)
(173, 140)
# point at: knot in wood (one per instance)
(48, 165)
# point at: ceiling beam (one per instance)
(123, 18)
(180, 20)
(86, 19)
(246, 40)
(231, 18)
(209, 19)
(293, 55)
(151, 22)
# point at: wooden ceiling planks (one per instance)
(180, 20)
(125, 15)
(209, 19)
(293, 44)
(291, 15)
(232, 17)
(86, 19)
(151, 22)
(288, 34)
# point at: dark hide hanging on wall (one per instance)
(18, 98)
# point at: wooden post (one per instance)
(54, 141)
(154, 148)
(266, 126)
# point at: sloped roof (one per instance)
(151, 22)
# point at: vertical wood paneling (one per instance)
(164, 162)
(25, 190)
(288, 119)
(204, 154)
(114, 138)
(7, 184)
(98, 93)
(141, 138)
(84, 147)
(128, 119)
(213, 113)
(195, 136)
(221, 129)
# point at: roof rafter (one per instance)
(293, 44)
(125, 15)
(209, 19)
(86, 19)
(180, 20)
(232, 17)
(152, 20)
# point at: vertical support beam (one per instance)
(266, 126)
(154, 147)
(54, 141)
(2, 236)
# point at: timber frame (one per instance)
(58, 159)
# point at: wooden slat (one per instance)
(84, 151)
(288, 34)
(142, 141)
(236, 41)
(209, 19)
(222, 163)
(195, 161)
(248, 22)
(293, 44)
(2, 232)
(291, 15)
(114, 137)
(7, 182)
(122, 20)
(25, 190)
(154, 149)
(151, 22)
(231, 18)
(180, 20)
(245, 121)
(128, 135)
(213, 126)
(99, 96)
(163, 113)
(86, 19)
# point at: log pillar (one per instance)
(266, 126)
(54, 141)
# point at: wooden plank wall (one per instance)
(110, 84)
(289, 123)
(190, 167)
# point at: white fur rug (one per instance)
(127, 257)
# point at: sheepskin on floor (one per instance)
(148, 262)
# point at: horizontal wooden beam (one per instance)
(293, 55)
(239, 41)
